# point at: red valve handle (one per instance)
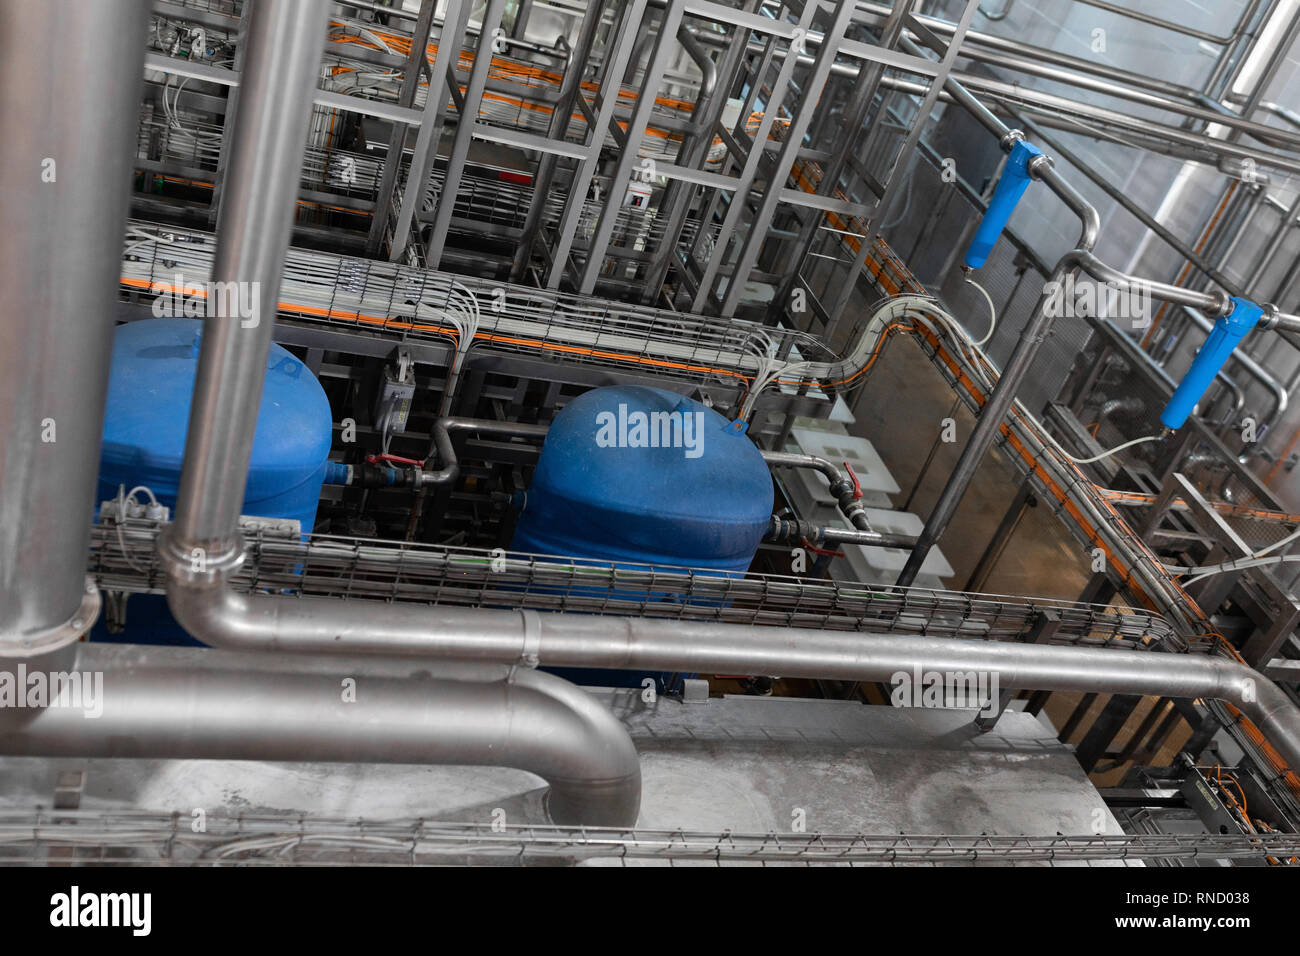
(816, 550)
(857, 485)
(394, 459)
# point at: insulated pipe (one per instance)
(70, 72)
(190, 703)
(322, 625)
(285, 39)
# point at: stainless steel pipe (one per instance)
(442, 429)
(995, 409)
(287, 715)
(284, 46)
(190, 703)
(321, 625)
(64, 187)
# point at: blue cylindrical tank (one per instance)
(637, 475)
(642, 475)
(151, 384)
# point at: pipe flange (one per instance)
(1040, 165)
(197, 566)
(1223, 304)
(69, 632)
(1010, 138)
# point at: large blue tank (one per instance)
(637, 475)
(151, 384)
(642, 475)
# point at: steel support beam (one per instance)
(811, 91)
(621, 46)
(664, 48)
(455, 21)
(465, 121)
(415, 65)
(907, 154)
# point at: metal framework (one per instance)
(694, 193)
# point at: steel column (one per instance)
(415, 65)
(621, 44)
(286, 38)
(784, 162)
(466, 120)
(70, 84)
(636, 124)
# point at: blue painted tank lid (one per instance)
(151, 384)
(600, 478)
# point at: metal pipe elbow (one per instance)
(214, 614)
(543, 724)
(1268, 708)
(578, 746)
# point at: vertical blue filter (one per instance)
(151, 385)
(632, 475)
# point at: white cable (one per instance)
(1239, 564)
(1273, 547)
(963, 337)
(993, 312)
(1260, 558)
(1105, 454)
(130, 495)
(145, 240)
(770, 368)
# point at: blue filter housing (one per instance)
(150, 387)
(637, 475)
(1011, 186)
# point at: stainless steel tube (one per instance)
(322, 625)
(787, 531)
(1017, 368)
(70, 76)
(442, 429)
(285, 42)
(844, 492)
(57, 284)
(189, 703)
